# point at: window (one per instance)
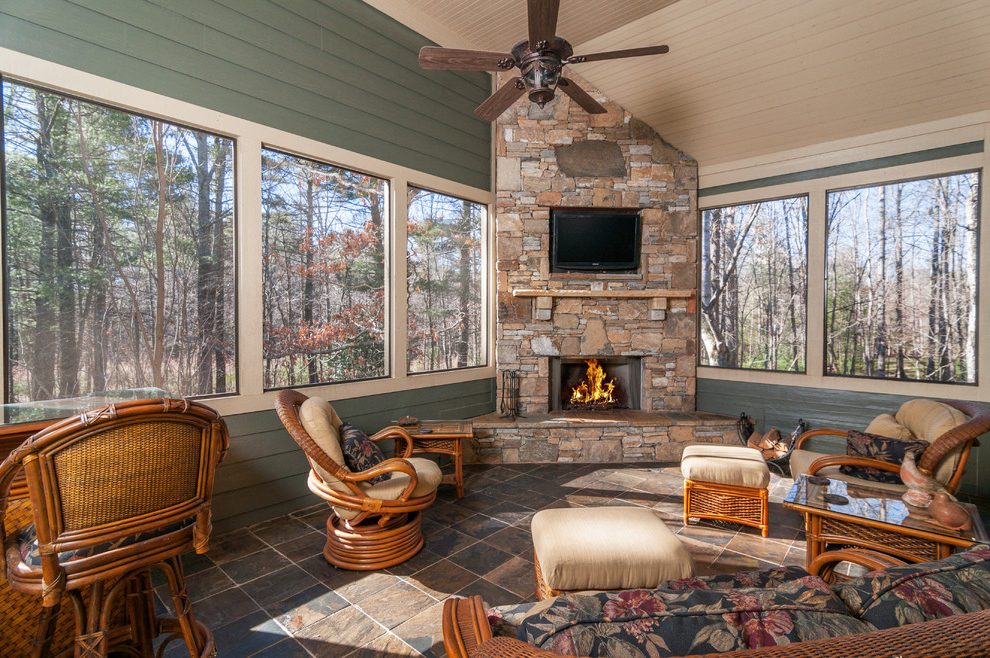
(754, 285)
(324, 272)
(444, 269)
(901, 264)
(118, 251)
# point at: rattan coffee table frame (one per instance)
(722, 502)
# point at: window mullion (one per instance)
(816, 282)
(398, 319)
(250, 356)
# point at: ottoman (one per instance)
(727, 483)
(604, 548)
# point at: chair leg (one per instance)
(141, 612)
(195, 635)
(91, 635)
(42, 642)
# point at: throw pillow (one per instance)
(360, 452)
(642, 623)
(921, 592)
(881, 448)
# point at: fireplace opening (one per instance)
(595, 383)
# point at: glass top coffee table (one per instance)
(876, 519)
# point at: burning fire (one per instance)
(592, 391)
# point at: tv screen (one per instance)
(594, 240)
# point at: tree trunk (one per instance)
(971, 258)
(204, 265)
(44, 348)
(464, 276)
(899, 283)
(308, 300)
(158, 345)
(219, 301)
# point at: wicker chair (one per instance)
(115, 492)
(371, 528)
(952, 448)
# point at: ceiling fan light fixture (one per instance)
(541, 78)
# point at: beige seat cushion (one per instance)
(801, 461)
(735, 466)
(886, 425)
(928, 420)
(607, 548)
(428, 477)
(322, 424)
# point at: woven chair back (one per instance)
(122, 470)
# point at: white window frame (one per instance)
(966, 129)
(250, 137)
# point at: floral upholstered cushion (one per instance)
(360, 452)
(882, 448)
(27, 543)
(664, 622)
(920, 592)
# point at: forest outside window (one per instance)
(902, 274)
(754, 281)
(118, 251)
(445, 274)
(324, 272)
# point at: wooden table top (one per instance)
(442, 429)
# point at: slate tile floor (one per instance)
(267, 591)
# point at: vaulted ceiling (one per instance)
(750, 77)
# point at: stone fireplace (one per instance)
(640, 323)
(574, 382)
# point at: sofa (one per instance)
(933, 609)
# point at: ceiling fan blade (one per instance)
(432, 57)
(616, 54)
(580, 96)
(542, 20)
(501, 100)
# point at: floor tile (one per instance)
(385, 646)
(287, 648)
(255, 565)
(277, 585)
(223, 608)
(206, 583)
(306, 607)
(517, 576)
(418, 562)
(513, 539)
(448, 541)
(248, 635)
(300, 548)
(442, 579)
(480, 558)
(422, 632)
(340, 633)
(233, 545)
(280, 530)
(479, 526)
(491, 593)
(394, 605)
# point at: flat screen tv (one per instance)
(594, 240)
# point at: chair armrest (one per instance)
(824, 431)
(397, 433)
(846, 460)
(465, 626)
(394, 465)
(9, 469)
(824, 565)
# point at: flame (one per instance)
(592, 390)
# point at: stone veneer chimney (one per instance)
(562, 156)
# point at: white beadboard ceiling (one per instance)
(746, 78)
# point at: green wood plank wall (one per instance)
(782, 406)
(338, 71)
(264, 474)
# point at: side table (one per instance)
(444, 437)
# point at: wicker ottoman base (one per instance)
(722, 502)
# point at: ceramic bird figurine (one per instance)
(920, 484)
(949, 513)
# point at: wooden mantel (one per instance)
(543, 298)
(647, 294)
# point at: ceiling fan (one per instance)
(540, 60)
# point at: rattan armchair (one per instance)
(115, 492)
(366, 532)
(959, 439)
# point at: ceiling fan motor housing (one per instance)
(541, 67)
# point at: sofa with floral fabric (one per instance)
(933, 609)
